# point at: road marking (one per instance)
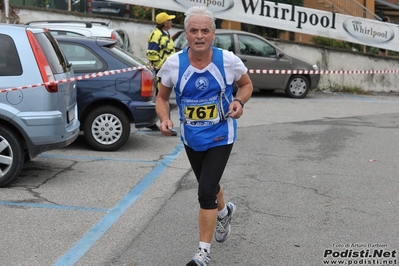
(91, 237)
(93, 158)
(355, 96)
(51, 206)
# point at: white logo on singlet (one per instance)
(201, 83)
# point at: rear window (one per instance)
(124, 56)
(82, 58)
(53, 52)
(250, 45)
(10, 64)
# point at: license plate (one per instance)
(112, 10)
(71, 115)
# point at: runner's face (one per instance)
(199, 33)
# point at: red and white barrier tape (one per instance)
(251, 71)
(315, 72)
(88, 76)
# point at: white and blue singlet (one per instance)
(203, 97)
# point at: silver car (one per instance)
(257, 53)
(37, 113)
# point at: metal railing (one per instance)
(350, 7)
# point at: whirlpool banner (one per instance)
(292, 18)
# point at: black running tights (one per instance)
(208, 167)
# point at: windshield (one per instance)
(180, 41)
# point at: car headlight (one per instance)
(315, 67)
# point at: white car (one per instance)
(81, 28)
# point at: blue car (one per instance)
(109, 104)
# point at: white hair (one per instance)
(199, 10)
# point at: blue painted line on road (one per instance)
(51, 206)
(355, 96)
(88, 240)
(93, 158)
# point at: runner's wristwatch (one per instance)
(241, 102)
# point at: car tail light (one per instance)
(147, 84)
(113, 36)
(127, 11)
(42, 62)
(89, 9)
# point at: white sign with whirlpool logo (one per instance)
(292, 18)
(370, 33)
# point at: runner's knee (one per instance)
(208, 199)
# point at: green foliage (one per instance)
(13, 16)
(141, 12)
(324, 41)
(145, 13)
(353, 90)
(345, 89)
(328, 42)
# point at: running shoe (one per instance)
(201, 258)
(223, 226)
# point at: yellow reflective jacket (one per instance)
(160, 47)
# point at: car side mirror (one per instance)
(280, 55)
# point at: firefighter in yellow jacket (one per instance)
(160, 44)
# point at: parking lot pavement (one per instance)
(65, 200)
(308, 176)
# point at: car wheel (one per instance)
(11, 155)
(297, 87)
(106, 128)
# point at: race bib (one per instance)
(205, 112)
(201, 112)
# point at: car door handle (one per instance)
(244, 60)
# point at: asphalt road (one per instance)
(314, 181)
